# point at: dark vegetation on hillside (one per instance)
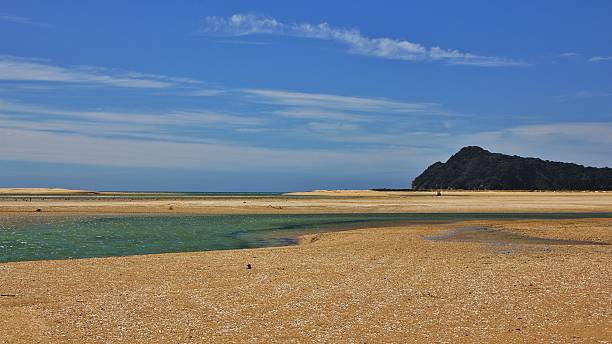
(473, 168)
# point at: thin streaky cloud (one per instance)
(327, 127)
(205, 93)
(383, 47)
(331, 101)
(582, 95)
(594, 132)
(20, 20)
(69, 148)
(241, 42)
(600, 58)
(24, 69)
(130, 121)
(94, 129)
(568, 54)
(550, 141)
(313, 113)
(538, 140)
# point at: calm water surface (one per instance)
(49, 237)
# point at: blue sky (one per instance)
(275, 96)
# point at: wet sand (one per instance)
(322, 202)
(367, 285)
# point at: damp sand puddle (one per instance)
(502, 238)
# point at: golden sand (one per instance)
(369, 285)
(42, 191)
(328, 202)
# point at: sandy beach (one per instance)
(368, 285)
(43, 191)
(390, 284)
(283, 172)
(356, 201)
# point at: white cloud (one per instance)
(568, 54)
(205, 93)
(313, 116)
(241, 42)
(332, 127)
(388, 48)
(331, 101)
(22, 69)
(23, 145)
(596, 133)
(582, 95)
(314, 113)
(153, 118)
(588, 143)
(154, 125)
(142, 139)
(19, 20)
(600, 58)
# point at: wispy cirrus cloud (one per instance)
(338, 102)
(20, 20)
(205, 93)
(582, 95)
(326, 127)
(568, 54)
(241, 42)
(591, 132)
(25, 69)
(590, 145)
(166, 139)
(315, 113)
(41, 146)
(382, 47)
(587, 143)
(170, 126)
(178, 117)
(600, 58)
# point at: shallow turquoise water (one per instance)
(102, 236)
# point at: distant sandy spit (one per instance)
(383, 193)
(378, 285)
(42, 191)
(346, 193)
(325, 202)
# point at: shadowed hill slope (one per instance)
(473, 168)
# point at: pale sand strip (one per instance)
(371, 193)
(372, 285)
(361, 202)
(42, 191)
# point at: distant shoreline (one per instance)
(322, 192)
(312, 202)
(44, 191)
(397, 192)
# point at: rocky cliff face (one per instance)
(473, 168)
